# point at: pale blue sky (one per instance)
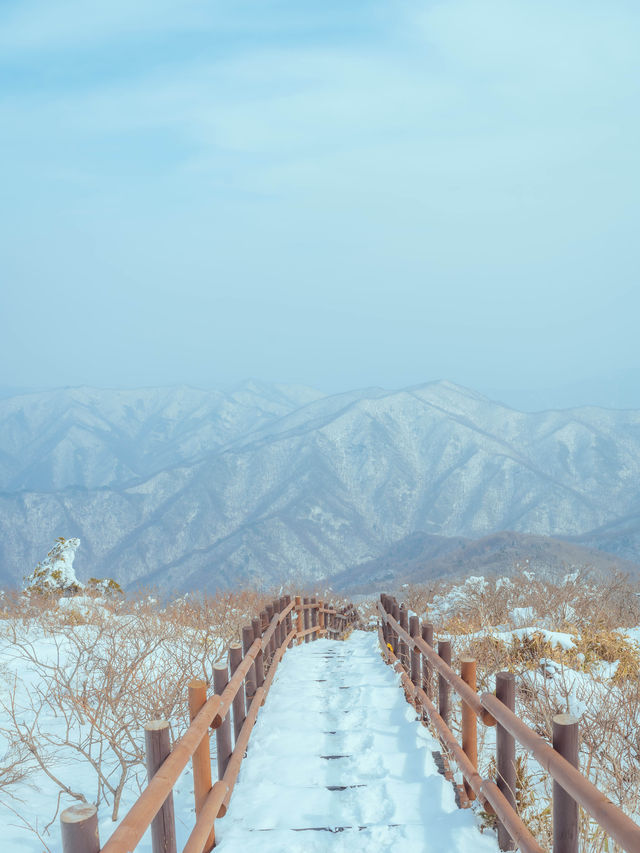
(339, 194)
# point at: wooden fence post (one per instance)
(403, 648)
(565, 808)
(414, 626)
(79, 827)
(277, 637)
(469, 720)
(395, 612)
(314, 617)
(250, 678)
(271, 643)
(289, 620)
(157, 747)
(444, 652)
(223, 732)
(385, 627)
(201, 758)
(321, 616)
(388, 606)
(235, 659)
(264, 621)
(427, 669)
(259, 662)
(299, 617)
(285, 621)
(307, 619)
(506, 753)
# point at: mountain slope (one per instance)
(420, 557)
(100, 437)
(269, 484)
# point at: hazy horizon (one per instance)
(614, 392)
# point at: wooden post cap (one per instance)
(79, 829)
(156, 725)
(565, 720)
(78, 813)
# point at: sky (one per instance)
(328, 193)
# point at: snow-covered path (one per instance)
(338, 762)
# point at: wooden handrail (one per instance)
(233, 768)
(315, 606)
(491, 711)
(487, 790)
(148, 804)
(220, 794)
(612, 819)
(206, 819)
(275, 621)
(211, 715)
(235, 684)
(452, 678)
(312, 630)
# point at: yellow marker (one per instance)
(389, 646)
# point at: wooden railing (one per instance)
(240, 687)
(409, 647)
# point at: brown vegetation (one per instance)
(99, 666)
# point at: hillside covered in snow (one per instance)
(187, 488)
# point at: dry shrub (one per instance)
(458, 626)
(609, 738)
(609, 646)
(562, 603)
(111, 665)
(526, 652)
(535, 810)
(417, 597)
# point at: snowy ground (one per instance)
(338, 762)
(381, 792)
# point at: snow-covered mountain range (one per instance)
(190, 488)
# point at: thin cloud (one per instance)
(467, 164)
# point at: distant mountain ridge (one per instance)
(420, 558)
(98, 437)
(199, 489)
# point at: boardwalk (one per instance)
(337, 762)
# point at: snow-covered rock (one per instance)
(55, 573)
